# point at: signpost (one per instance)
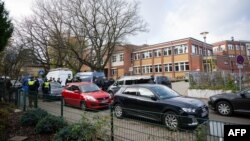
(240, 61)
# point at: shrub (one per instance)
(4, 114)
(83, 131)
(50, 124)
(32, 117)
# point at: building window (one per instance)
(137, 70)
(181, 66)
(180, 49)
(157, 53)
(242, 48)
(137, 56)
(147, 54)
(230, 47)
(114, 58)
(195, 49)
(167, 51)
(121, 58)
(237, 47)
(168, 67)
(113, 71)
(158, 68)
(147, 69)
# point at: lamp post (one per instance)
(204, 34)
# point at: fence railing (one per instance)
(131, 128)
(218, 80)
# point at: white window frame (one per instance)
(114, 58)
(121, 57)
(113, 72)
(168, 67)
(157, 53)
(158, 68)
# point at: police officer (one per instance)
(33, 91)
(68, 80)
(45, 88)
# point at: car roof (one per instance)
(79, 83)
(141, 85)
(137, 77)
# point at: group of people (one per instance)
(31, 86)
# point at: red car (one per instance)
(86, 96)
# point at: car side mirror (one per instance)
(154, 98)
(77, 91)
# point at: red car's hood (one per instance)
(97, 94)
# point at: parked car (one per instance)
(55, 91)
(86, 96)
(227, 104)
(141, 79)
(160, 103)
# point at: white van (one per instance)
(61, 73)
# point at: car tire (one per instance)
(170, 120)
(83, 106)
(119, 113)
(224, 108)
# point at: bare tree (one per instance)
(73, 33)
(101, 25)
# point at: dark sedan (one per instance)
(159, 103)
(227, 104)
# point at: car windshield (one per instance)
(89, 88)
(164, 92)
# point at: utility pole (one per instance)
(204, 34)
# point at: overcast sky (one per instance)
(175, 19)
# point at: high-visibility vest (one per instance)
(31, 82)
(46, 84)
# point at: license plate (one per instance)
(105, 101)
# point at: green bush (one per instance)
(83, 131)
(50, 124)
(32, 117)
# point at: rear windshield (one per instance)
(89, 88)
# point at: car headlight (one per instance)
(90, 98)
(189, 110)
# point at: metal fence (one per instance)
(129, 128)
(218, 80)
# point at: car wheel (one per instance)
(83, 106)
(170, 119)
(118, 111)
(224, 108)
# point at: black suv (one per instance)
(159, 103)
(140, 79)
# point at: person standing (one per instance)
(45, 88)
(59, 80)
(8, 96)
(33, 85)
(68, 80)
